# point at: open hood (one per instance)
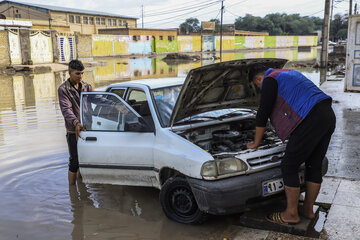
(220, 86)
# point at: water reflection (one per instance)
(36, 202)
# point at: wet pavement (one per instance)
(37, 203)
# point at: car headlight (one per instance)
(221, 167)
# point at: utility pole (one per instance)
(325, 36)
(221, 28)
(142, 15)
(350, 8)
(331, 16)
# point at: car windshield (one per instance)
(165, 99)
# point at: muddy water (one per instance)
(35, 199)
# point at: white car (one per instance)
(186, 138)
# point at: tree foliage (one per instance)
(279, 24)
(339, 27)
(190, 25)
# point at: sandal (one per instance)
(276, 218)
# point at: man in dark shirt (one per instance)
(301, 113)
(69, 100)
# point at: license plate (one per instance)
(277, 185)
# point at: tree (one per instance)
(190, 25)
(279, 24)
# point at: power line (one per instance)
(180, 15)
(180, 9)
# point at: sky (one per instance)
(171, 13)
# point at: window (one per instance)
(136, 37)
(17, 15)
(102, 21)
(114, 22)
(120, 22)
(119, 91)
(147, 38)
(138, 101)
(78, 19)
(109, 22)
(71, 18)
(91, 20)
(98, 21)
(125, 23)
(161, 38)
(85, 20)
(105, 112)
(171, 38)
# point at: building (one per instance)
(62, 19)
(152, 33)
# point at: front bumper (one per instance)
(231, 195)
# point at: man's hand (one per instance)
(79, 127)
(252, 145)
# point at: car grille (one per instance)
(265, 160)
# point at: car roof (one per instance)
(152, 83)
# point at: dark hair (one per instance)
(76, 65)
(255, 70)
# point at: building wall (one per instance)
(140, 46)
(208, 43)
(189, 43)
(228, 42)
(10, 10)
(166, 46)
(84, 45)
(4, 49)
(157, 33)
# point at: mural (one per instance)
(15, 49)
(66, 45)
(41, 47)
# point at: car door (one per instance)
(117, 146)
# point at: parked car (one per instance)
(186, 138)
(331, 43)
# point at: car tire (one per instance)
(178, 202)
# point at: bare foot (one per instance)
(289, 219)
(309, 214)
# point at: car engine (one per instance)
(228, 137)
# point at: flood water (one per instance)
(35, 199)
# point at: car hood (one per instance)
(219, 86)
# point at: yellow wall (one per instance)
(228, 42)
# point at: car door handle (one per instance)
(90, 139)
(98, 123)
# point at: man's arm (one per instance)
(65, 107)
(269, 91)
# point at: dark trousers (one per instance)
(309, 143)
(73, 159)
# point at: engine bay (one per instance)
(228, 137)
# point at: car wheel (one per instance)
(178, 202)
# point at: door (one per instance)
(352, 80)
(117, 146)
